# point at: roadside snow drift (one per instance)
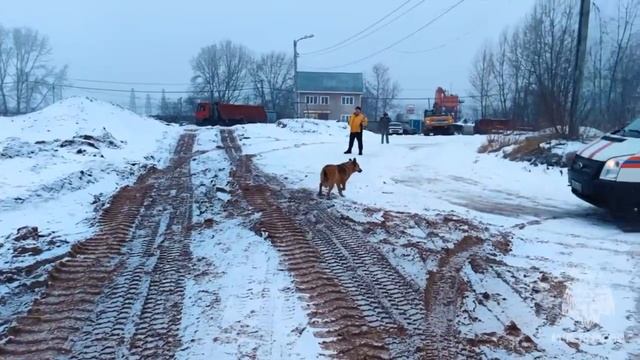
(58, 166)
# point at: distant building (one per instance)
(328, 95)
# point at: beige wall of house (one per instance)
(328, 106)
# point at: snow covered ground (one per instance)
(60, 165)
(552, 230)
(415, 173)
(57, 167)
(240, 301)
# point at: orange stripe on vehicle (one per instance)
(630, 166)
(588, 147)
(599, 149)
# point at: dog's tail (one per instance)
(324, 176)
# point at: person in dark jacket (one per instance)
(384, 127)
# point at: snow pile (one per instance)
(564, 147)
(543, 147)
(85, 116)
(57, 167)
(312, 126)
(70, 136)
(586, 132)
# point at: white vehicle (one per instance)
(395, 128)
(606, 173)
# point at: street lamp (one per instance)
(295, 70)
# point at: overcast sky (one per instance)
(154, 40)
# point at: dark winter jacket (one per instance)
(384, 124)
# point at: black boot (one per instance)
(348, 152)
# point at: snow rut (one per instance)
(118, 294)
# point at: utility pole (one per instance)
(262, 94)
(578, 72)
(295, 71)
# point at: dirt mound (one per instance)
(545, 149)
(80, 144)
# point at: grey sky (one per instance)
(153, 41)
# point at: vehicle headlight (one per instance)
(612, 168)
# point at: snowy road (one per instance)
(225, 252)
(570, 278)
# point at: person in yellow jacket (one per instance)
(357, 123)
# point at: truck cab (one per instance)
(203, 112)
(438, 124)
(606, 172)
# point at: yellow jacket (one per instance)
(357, 122)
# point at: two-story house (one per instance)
(329, 95)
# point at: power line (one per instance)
(128, 91)
(129, 82)
(398, 41)
(423, 51)
(375, 30)
(443, 45)
(358, 33)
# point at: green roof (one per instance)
(330, 82)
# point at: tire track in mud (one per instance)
(357, 283)
(118, 293)
(342, 323)
(443, 299)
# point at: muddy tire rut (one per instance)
(119, 293)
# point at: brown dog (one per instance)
(337, 175)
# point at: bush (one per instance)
(529, 146)
(496, 143)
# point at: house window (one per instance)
(345, 117)
(324, 100)
(347, 100)
(311, 100)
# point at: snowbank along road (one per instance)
(224, 251)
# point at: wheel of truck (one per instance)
(628, 221)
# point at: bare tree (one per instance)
(30, 74)
(272, 77)
(220, 70)
(533, 67)
(132, 101)
(549, 56)
(520, 79)
(481, 79)
(6, 56)
(147, 105)
(380, 91)
(500, 74)
(626, 18)
(613, 67)
(164, 105)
